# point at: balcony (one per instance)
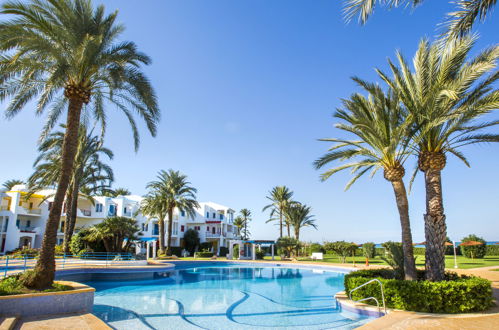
(215, 235)
(28, 229)
(29, 211)
(84, 213)
(4, 208)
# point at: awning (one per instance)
(148, 239)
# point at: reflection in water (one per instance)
(225, 297)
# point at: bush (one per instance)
(203, 254)
(457, 294)
(492, 250)
(24, 251)
(476, 251)
(14, 285)
(176, 250)
(316, 247)
(394, 256)
(205, 246)
(419, 251)
(191, 240)
(259, 255)
(223, 251)
(287, 246)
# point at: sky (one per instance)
(247, 87)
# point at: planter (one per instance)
(79, 300)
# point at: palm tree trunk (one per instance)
(161, 224)
(44, 271)
(71, 217)
(69, 201)
(280, 223)
(435, 227)
(169, 232)
(403, 207)
(289, 229)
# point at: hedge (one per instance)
(492, 250)
(203, 254)
(457, 294)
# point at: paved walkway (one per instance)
(60, 322)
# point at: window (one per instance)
(182, 213)
(124, 210)
(182, 228)
(143, 227)
(98, 207)
(197, 228)
(112, 209)
(62, 226)
(28, 223)
(17, 223)
(156, 229)
(221, 216)
(207, 228)
(207, 214)
(6, 224)
(214, 215)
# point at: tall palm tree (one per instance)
(89, 172)
(120, 192)
(239, 223)
(9, 184)
(382, 129)
(459, 23)
(153, 206)
(65, 53)
(245, 215)
(281, 198)
(299, 216)
(446, 95)
(173, 190)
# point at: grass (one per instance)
(462, 261)
(12, 285)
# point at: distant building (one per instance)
(22, 221)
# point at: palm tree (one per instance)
(153, 206)
(120, 192)
(445, 95)
(173, 191)
(382, 129)
(239, 223)
(9, 184)
(117, 233)
(280, 196)
(299, 216)
(89, 172)
(63, 53)
(245, 215)
(459, 23)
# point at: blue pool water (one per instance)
(225, 297)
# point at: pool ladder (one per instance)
(373, 298)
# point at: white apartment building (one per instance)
(22, 219)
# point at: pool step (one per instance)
(8, 323)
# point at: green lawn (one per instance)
(462, 262)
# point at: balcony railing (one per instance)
(27, 229)
(211, 235)
(30, 210)
(86, 213)
(4, 208)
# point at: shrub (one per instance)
(203, 254)
(287, 245)
(14, 285)
(223, 251)
(476, 251)
(176, 250)
(191, 240)
(235, 253)
(259, 254)
(316, 247)
(205, 246)
(25, 251)
(394, 256)
(457, 294)
(419, 251)
(492, 250)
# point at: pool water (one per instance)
(226, 297)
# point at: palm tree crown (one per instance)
(281, 198)
(54, 50)
(9, 184)
(299, 216)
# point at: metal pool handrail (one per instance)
(374, 298)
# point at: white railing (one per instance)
(370, 298)
(85, 212)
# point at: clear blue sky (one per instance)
(247, 87)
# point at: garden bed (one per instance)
(457, 294)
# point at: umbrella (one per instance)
(448, 244)
(422, 243)
(471, 243)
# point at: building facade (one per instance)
(23, 218)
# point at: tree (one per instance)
(239, 224)
(120, 192)
(459, 23)
(473, 251)
(90, 175)
(153, 206)
(65, 53)
(246, 217)
(288, 245)
(341, 248)
(394, 256)
(382, 131)
(299, 216)
(191, 240)
(9, 184)
(117, 233)
(369, 251)
(172, 191)
(445, 96)
(280, 196)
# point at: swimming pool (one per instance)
(225, 297)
